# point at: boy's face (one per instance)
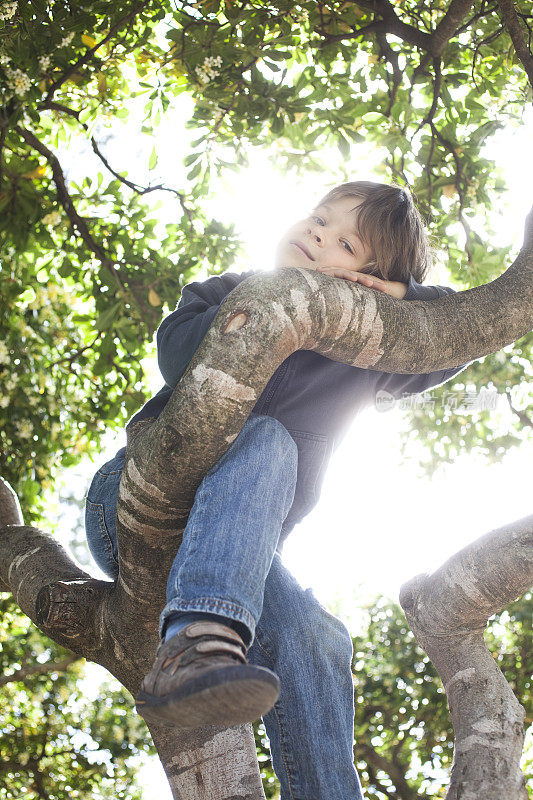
(326, 238)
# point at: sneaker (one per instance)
(201, 677)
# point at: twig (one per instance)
(88, 55)
(2, 142)
(392, 56)
(522, 416)
(458, 178)
(73, 356)
(52, 105)
(66, 201)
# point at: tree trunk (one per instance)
(447, 612)
(259, 324)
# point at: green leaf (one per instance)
(195, 171)
(344, 145)
(190, 159)
(276, 55)
(373, 116)
(272, 65)
(153, 159)
(277, 125)
(105, 320)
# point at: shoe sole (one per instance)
(227, 696)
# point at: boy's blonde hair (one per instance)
(388, 222)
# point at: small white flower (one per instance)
(18, 81)
(66, 40)
(4, 59)
(206, 72)
(4, 401)
(44, 63)
(8, 10)
(53, 218)
(11, 383)
(4, 354)
(24, 429)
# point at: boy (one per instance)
(239, 637)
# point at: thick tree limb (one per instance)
(512, 23)
(447, 612)
(210, 763)
(10, 514)
(31, 562)
(455, 15)
(260, 323)
(432, 43)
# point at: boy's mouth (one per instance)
(303, 248)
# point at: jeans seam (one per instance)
(286, 760)
(98, 509)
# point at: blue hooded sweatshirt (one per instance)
(314, 397)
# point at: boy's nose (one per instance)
(315, 235)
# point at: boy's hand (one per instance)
(394, 288)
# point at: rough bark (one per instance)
(447, 612)
(260, 323)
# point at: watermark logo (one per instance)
(384, 400)
(460, 402)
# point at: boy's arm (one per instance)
(396, 289)
(180, 334)
(413, 384)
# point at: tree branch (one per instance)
(516, 33)
(10, 514)
(447, 612)
(395, 773)
(53, 106)
(66, 201)
(38, 669)
(58, 597)
(447, 27)
(522, 416)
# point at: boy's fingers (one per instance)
(339, 273)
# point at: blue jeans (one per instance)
(228, 564)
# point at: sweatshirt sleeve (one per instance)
(180, 334)
(413, 384)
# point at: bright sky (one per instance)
(376, 524)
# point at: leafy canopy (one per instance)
(87, 269)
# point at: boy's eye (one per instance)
(348, 248)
